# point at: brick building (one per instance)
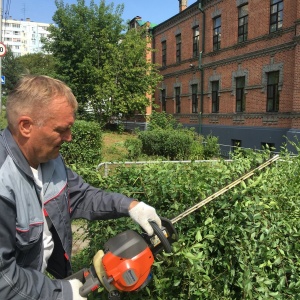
(232, 69)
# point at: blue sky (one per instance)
(155, 11)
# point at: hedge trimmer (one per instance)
(125, 263)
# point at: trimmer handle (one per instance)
(162, 238)
(89, 279)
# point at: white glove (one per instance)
(142, 214)
(76, 285)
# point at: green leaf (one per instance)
(208, 221)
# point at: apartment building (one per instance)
(231, 69)
(23, 37)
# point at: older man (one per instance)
(39, 195)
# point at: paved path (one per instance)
(79, 241)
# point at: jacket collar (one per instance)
(17, 156)
(15, 152)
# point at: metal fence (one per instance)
(107, 166)
(226, 152)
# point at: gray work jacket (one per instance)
(66, 196)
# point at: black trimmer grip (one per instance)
(162, 238)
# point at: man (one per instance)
(39, 195)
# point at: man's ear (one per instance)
(25, 126)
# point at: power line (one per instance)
(7, 9)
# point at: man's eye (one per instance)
(60, 131)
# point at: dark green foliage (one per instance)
(12, 70)
(38, 64)
(85, 148)
(104, 64)
(242, 245)
(15, 67)
(169, 143)
(197, 149)
(162, 120)
(134, 148)
(167, 138)
(211, 147)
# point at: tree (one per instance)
(12, 70)
(38, 64)
(105, 66)
(15, 67)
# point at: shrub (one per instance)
(242, 245)
(134, 148)
(86, 144)
(162, 120)
(197, 150)
(211, 147)
(169, 143)
(167, 138)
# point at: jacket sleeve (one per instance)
(19, 283)
(92, 203)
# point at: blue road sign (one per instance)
(2, 79)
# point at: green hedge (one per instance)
(86, 145)
(243, 245)
(169, 143)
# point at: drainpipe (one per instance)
(200, 66)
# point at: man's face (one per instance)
(47, 139)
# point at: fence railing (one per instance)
(108, 165)
(225, 152)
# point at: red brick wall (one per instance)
(262, 50)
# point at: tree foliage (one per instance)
(37, 64)
(12, 71)
(15, 67)
(85, 147)
(165, 137)
(105, 65)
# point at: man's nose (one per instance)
(67, 136)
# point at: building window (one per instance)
(217, 34)
(163, 100)
(240, 94)
(269, 146)
(195, 41)
(243, 23)
(215, 96)
(164, 53)
(194, 98)
(272, 92)
(178, 48)
(276, 16)
(177, 99)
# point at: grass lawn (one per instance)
(113, 146)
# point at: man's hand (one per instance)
(142, 213)
(76, 285)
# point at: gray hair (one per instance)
(32, 95)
